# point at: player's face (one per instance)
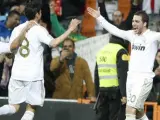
(137, 24)
(158, 57)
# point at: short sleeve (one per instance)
(44, 36)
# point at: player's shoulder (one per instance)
(39, 28)
(148, 31)
(20, 26)
(151, 33)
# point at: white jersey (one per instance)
(4, 47)
(28, 63)
(144, 47)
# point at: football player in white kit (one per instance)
(144, 43)
(26, 82)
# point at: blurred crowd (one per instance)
(67, 75)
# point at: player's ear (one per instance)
(145, 24)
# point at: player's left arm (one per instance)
(16, 40)
(17, 37)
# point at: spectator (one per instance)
(155, 92)
(23, 18)
(154, 95)
(110, 80)
(58, 29)
(70, 71)
(6, 28)
(158, 26)
(15, 6)
(71, 9)
(19, 7)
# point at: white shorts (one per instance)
(31, 92)
(138, 89)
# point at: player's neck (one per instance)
(143, 31)
(36, 20)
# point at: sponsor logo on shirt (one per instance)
(138, 47)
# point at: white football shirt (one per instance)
(28, 63)
(144, 46)
(4, 47)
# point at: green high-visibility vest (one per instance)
(107, 69)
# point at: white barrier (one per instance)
(88, 48)
(52, 100)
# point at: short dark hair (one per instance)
(145, 17)
(14, 3)
(69, 39)
(45, 16)
(31, 9)
(13, 12)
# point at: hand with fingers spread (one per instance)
(94, 13)
(73, 24)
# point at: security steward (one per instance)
(110, 80)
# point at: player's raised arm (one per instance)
(106, 25)
(58, 40)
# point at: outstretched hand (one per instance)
(94, 13)
(73, 24)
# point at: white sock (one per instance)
(143, 118)
(7, 110)
(130, 117)
(28, 115)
